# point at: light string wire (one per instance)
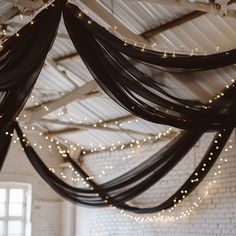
(63, 152)
(30, 20)
(92, 150)
(105, 170)
(196, 204)
(115, 145)
(166, 216)
(216, 97)
(204, 165)
(153, 45)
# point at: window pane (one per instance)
(14, 227)
(16, 195)
(15, 209)
(2, 195)
(1, 227)
(2, 209)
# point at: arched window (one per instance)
(15, 209)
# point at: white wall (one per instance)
(216, 215)
(46, 205)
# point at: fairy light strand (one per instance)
(165, 216)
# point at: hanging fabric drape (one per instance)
(151, 172)
(21, 60)
(106, 56)
(204, 62)
(133, 89)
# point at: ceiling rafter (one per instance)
(105, 123)
(77, 93)
(171, 24)
(24, 7)
(78, 127)
(64, 58)
(174, 23)
(122, 29)
(148, 140)
(105, 15)
(119, 120)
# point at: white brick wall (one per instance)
(46, 205)
(52, 217)
(215, 216)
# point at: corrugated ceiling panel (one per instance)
(202, 34)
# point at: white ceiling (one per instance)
(203, 34)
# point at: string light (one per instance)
(107, 168)
(100, 123)
(153, 45)
(151, 219)
(31, 21)
(217, 97)
(164, 215)
(104, 171)
(114, 147)
(133, 144)
(63, 151)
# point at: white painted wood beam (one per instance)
(75, 94)
(166, 137)
(77, 127)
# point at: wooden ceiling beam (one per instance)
(77, 93)
(119, 120)
(114, 121)
(102, 12)
(171, 24)
(174, 23)
(73, 127)
(156, 138)
(69, 56)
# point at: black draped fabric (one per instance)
(133, 89)
(190, 184)
(5, 142)
(201, 62)
(21, 60)
(25, 51)
(141, 171)
(120, 190)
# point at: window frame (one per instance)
(27, 204)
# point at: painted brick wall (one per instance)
(215, 216)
